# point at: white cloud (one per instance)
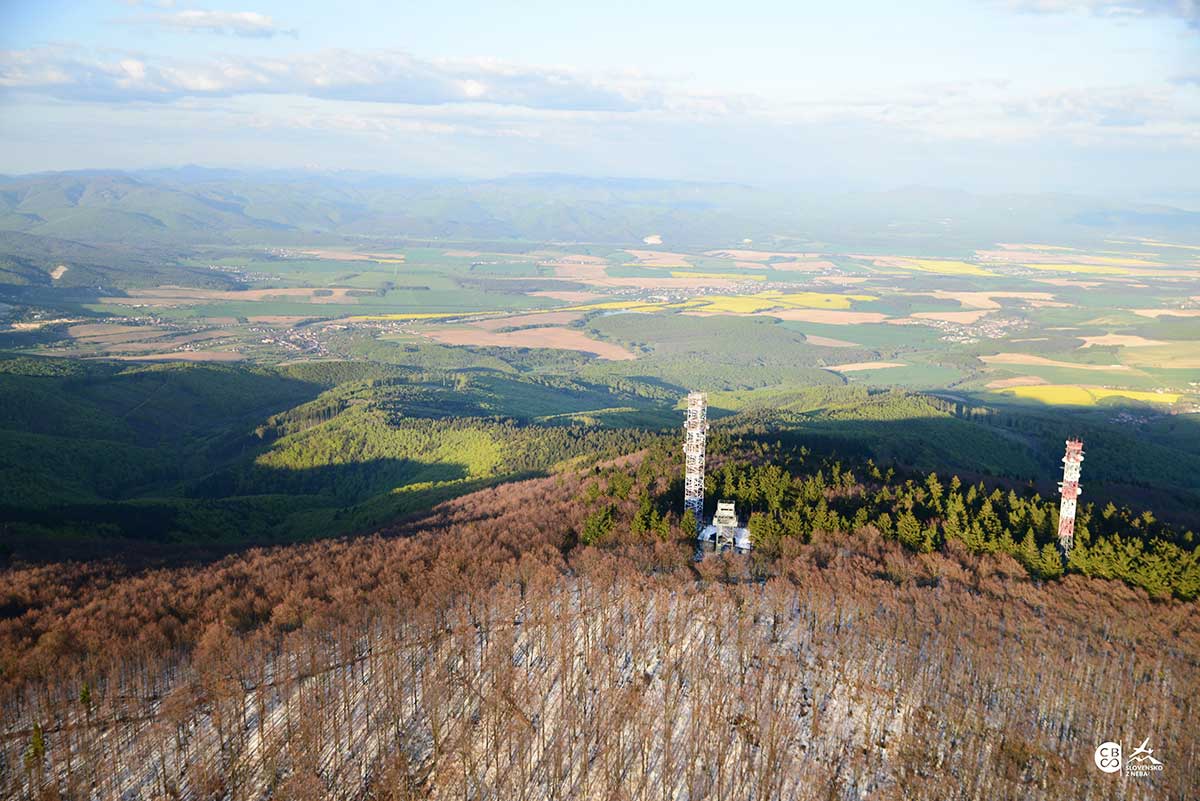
(377, 76)
(386, 94)
(998, 111)
(230, 23)
(1187, 10)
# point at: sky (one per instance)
(1098, 97)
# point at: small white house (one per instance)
(724, 529)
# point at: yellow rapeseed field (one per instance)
(1072, 395)
(763, 301)
(735, 304)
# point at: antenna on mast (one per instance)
(695, 436)
(1069, 489)
(723, 532)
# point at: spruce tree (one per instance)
(1050, 562)
(1028, 553)
(908, 531)
(929, 540)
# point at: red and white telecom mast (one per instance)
(695, 437)
(1069, 489)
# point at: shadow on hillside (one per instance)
(1121, 466)
(251, 505)
(235, 509)
(344, 483)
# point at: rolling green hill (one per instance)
(184, 453)
(28, 262)
(101, 455)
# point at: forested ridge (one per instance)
(791, 496)
(116, 457)
(534, 640)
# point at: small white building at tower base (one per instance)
(724, 529)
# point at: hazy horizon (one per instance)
(1183, 200)
(1089, 97)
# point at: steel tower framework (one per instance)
(1069, 489)
(695, 433)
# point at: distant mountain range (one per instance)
(194, 205)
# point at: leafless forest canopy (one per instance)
(484, 652)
